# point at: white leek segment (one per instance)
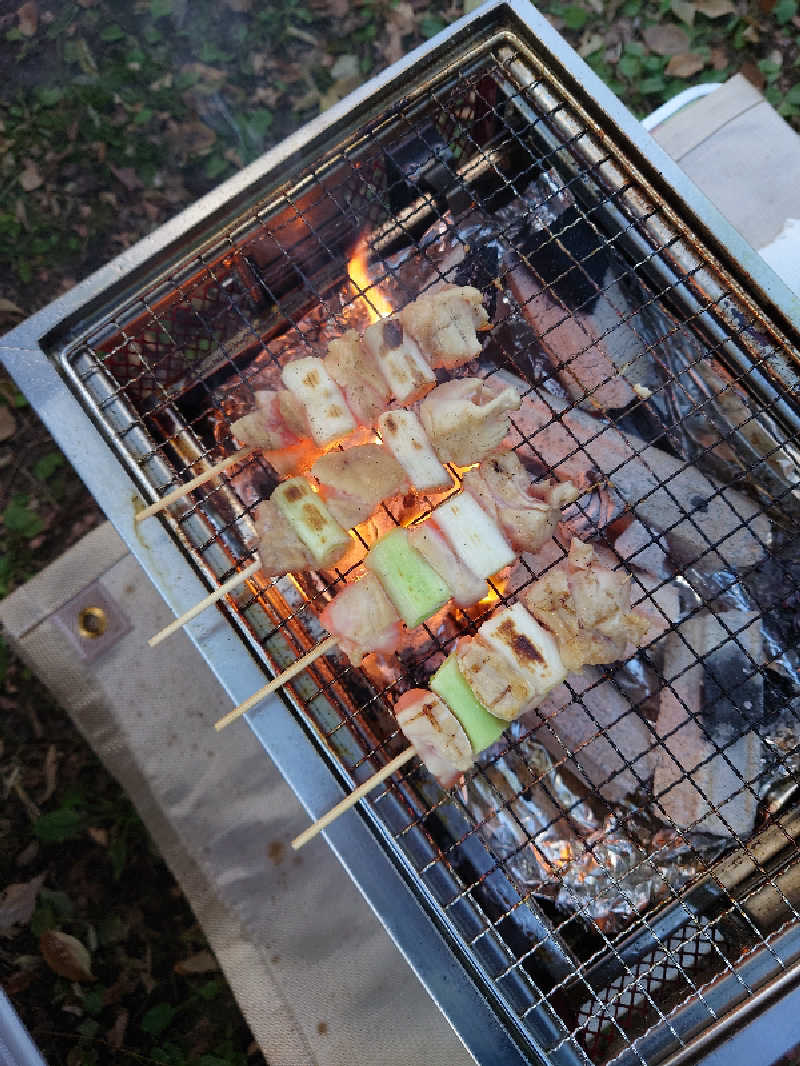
(402, 433)
(400, 361)
(473, 535)
(329, 418)
(512, 664)
(311, 520)
(465, 587)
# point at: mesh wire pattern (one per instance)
(170, 370)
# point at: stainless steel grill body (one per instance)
(126, 370)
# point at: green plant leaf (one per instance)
(65, 823)
(430, 25)
(784, 11)
(94, 999)
(20, 518)
(113, 32)
(575, 18)
(158, 1018)
(46, 466)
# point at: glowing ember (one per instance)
(378, 306)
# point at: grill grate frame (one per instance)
(227, 295)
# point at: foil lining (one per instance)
(575, 822)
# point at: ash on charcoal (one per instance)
(693, 513)
(710, 755)
(589, 722)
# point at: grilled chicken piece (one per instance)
(265, 426)
(354, 481)
(467, 418)
(512, 663)
(355, 370)
(363, 620)
(466, 588)
(587, 608)
(408, 442)
(401, 363)
(280, 550)
(444, 323)
(436, 733)
(527, 513)
(328, 416)
(473, 535)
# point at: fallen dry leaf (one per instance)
(749, 70)
(7, 425)
(346, 76)
(402, 21)
(684, 10)
(66, 956)
(590, 42)
(30, 178)
(116, 1034)
(127, 176)
(714, 9)
(684, 65)
(196, 138)
(28, 16)
(202, 962)
(98, 835)
(50, 770)
(666, 40)
(719, 57)
(18, 901)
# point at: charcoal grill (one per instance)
(129, 369)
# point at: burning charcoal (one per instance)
(565, 287)
(708, 759)
(589, 717)
(641, 548)
(692, 512)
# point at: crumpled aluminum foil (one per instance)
(552, 833)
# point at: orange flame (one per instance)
(377, 305)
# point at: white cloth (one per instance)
(313, 970)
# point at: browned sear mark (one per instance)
(392, 333)
(519, 643)
(294, 493)
(311, 379)
(390, 424)
(313, 517)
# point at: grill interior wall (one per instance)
(155, 372)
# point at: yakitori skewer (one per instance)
(345, 804)
(328, 644)
(326, 400)
(353, 482)
(238, 578)
(195, 483)
(412, 573)
(576, 615)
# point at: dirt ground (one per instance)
(114, 116)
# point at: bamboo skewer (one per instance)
(196, 482)
(328, 644)
(213, 597)
(354, 797)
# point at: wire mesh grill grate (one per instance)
(613, 792)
